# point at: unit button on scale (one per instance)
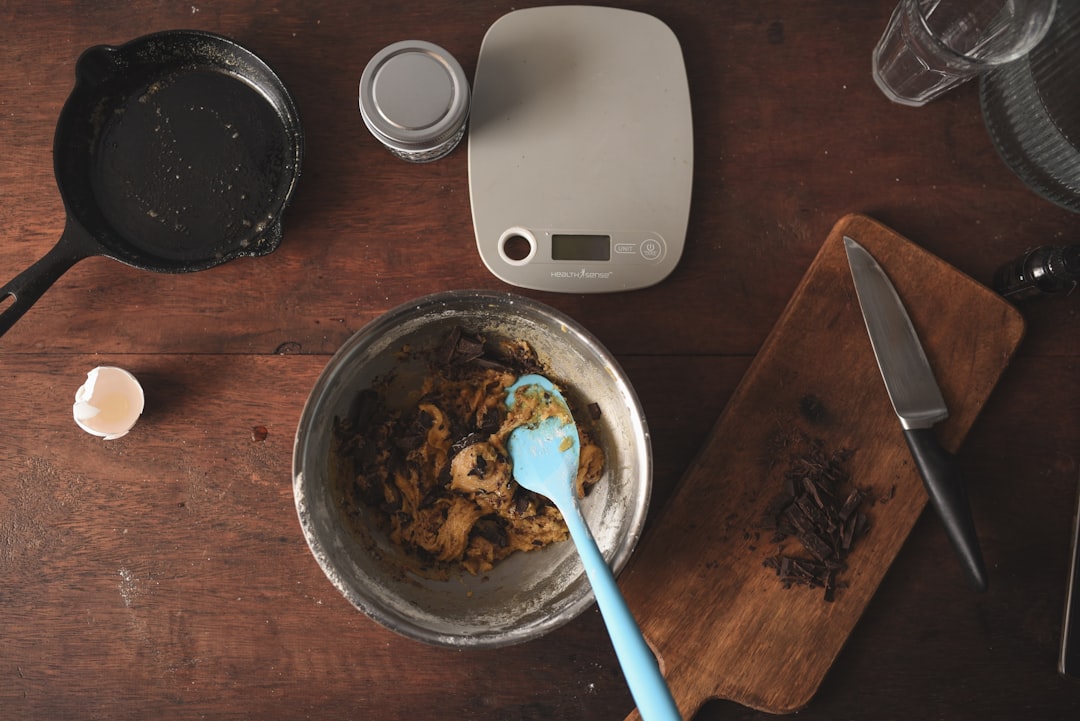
(580, 149)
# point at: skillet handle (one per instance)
(23, 290)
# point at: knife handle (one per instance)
(941, 476)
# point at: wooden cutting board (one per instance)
(722, 624)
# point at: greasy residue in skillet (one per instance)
(192, 164)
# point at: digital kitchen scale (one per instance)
(580, 149)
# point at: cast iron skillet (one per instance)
(175, 152)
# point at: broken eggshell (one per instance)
(108, 403)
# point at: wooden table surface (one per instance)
(164, 574)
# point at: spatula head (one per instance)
(546, 448)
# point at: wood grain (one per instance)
(722, 624)
(163, 575)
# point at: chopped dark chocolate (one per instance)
(819, 510)
(493, 529)
(459, 347)
(467, 440)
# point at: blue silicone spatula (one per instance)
(545, 453)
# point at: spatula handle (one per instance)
(650, 691)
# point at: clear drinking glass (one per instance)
(1032, 111)
(931, 46)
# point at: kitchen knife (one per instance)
(918, 403)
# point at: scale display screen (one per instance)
(581, 247)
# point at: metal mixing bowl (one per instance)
(527, 594)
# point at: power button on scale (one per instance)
(651, 249)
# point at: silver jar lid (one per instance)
(414, 97)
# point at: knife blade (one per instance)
(918, 403)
